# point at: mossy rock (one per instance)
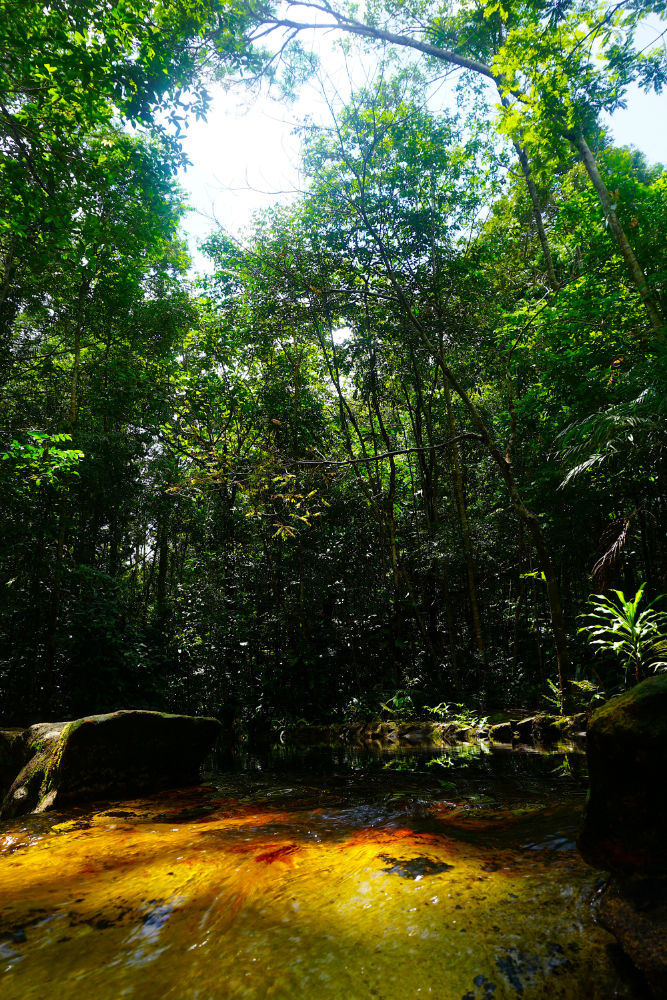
(503, 732)
(573, 725)
(625, 820)
(418, 733)
(541, 728)
(34, 750)
(105, 756)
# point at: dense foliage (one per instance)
(403, 429)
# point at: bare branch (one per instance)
(354, 27)
(390, 454)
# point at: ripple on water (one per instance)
(348, 889)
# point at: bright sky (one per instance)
(245, 156)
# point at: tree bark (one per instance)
(537, 215)
(78, 330)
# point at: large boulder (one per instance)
(625, 823)
(625, 820)
(122, 753)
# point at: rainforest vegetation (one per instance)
(386, 447)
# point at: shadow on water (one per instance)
(341, 873)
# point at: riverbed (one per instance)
(331, 873)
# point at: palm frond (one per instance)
(633, 426)
(614, 541)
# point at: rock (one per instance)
(381, 731)
(12, 757)
(503, 732)
(575, 724)
(625, 819)
(417, 733)
(524, 729)
(532, 729)
(634, 910)
(35, 747)
(543, 728)
(123, 753)
(625, 823)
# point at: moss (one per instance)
(640, 708)
(55, 757)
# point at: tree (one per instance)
(90, 350)
(294, 490)
(554, 70)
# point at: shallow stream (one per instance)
(329, 873)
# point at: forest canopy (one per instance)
(399, 432)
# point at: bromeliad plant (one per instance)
(639, 638)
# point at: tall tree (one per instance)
(554, 68)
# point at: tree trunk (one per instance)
(53, 616)
(465, 531)
(638, 277)
(163, 564)
(534, 529)
(504, 466)
(537, 216)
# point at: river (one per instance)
(332, 874)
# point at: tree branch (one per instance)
(354, 27)
(390, 454)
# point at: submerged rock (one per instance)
(625, 820)
(635, 911)
(122, 753)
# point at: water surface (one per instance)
(326, 873)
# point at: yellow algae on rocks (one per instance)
(194, 898)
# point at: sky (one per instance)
(245, 156)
